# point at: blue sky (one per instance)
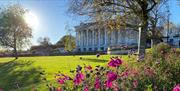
(52, 16)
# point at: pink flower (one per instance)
(115, 86)
(97, 84)
(125, 74)
(149, 71)
(62, 78)
(135, 83)
(86, 88)
(66, 77)
(61, 81)
(108, 84)
(118, 61)
(176, 88)
(88, 67)
(78, 78)
(111, 76)
(164, 89)
(115, 62)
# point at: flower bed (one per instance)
(153, 74)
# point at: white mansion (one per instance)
(90, 37)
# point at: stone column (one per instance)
(93, 38)
(112, 37)
(119, 36)
(82, 36)
(81, 39)
(99, 38)
(77, 38)
(87, 38)
(105, 34)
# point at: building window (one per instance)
(171, 41)
(79, 49)
(90, 49)
(102, 48)
(84, 49)
(95, 49)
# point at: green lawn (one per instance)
(26, 70)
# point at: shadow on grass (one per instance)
(18, 74)
(94, 60)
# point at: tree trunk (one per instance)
(142, 41)
(15, 53)
(15, 47)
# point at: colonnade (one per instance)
(100, 39)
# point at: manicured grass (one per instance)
(26, 70)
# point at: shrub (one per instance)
(166, 68)
(160, 49)
(161, 74)
(163, 47)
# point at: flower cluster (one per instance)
(61, 78)
(115, 62)
(111, 76)
(176, 88)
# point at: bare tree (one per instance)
(44, 41)
(157, 19)
(14, 31)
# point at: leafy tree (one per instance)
(115, 13)
(68, 42)
(62, 41)
(14, 31)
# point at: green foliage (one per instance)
(62, 42)
(161, 49)
(70, 43)
(157, 74)
(166, 70)
(152, 74)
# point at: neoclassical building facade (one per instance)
(90, 37)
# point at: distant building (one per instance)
(90, 37)
(172, 36)
(40, 50)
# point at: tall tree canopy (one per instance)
(116, 13)
(14, 31)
